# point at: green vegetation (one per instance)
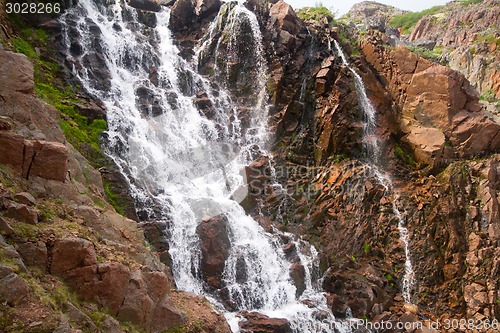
(489, 96)
(488, 39)
(469, 2)
(366, 248)
(408, 20)
(112, 197)
(316, 13)
(431, 55)
(404, 156)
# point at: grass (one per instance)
(316, 13)
(408, 20)
(487, 39)
(112, 197)
(431, 55)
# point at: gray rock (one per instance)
(425, 44)
(13, 289)
(25, 199)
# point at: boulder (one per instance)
(425, 44)
(284, 18)
(427, 143)
(13, 289)
(21, 212)
(34, 158)
(34, 254)
(17, 73)
(147, 5)
(71, 253)
(25, 198)
(298, 273)
(215, 246)
(258, 323)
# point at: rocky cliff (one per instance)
(69, 261)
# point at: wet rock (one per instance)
(337, 305)
(148, 5)
(183, 12)
(259, 323)
(215, 246)
(298, 273)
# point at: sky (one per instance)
(343, 6)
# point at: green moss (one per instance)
(112, 197)
(404, 156)
(366, 248)
(24, 230)
(408, 20)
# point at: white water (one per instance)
(172, 159)
(371, 144)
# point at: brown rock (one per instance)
(71, 253)
(17, 73)
(21, 212)
(259, 323)
(215, 245)
(5, 228)
(34, 254)
(284, 18)
(48, 160)
(5, 123)
(25, 199)
(427, 143)
(298, 273)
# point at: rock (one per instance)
(34, 254)
(71, 253)
(5, 228)
(427, 143)
(297, 273)
(215, 246)
(79, 318)
(21, 212)
(13, 289)
(5, 123)
(17, 73)
(34, 158)
(183, 12)
(338, 306)
(258, 323)
(424, 44)
(375, 23)
(284, 18)
(25, 199)
(148, 5)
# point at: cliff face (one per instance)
(438, 145)
(468, 35)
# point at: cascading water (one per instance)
(170, 152)
(371, 144)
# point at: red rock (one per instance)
(21, 212)
(71, 253)
(25, 199)
(48, 160)
(214, 245)
(259, 323)
(284, 18)
(17, 73)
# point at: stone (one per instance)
(283, 17)
(337, 305)
(258, 323)
(427, 143)
(147, 5)
(5, 123)
(71, 253)
(25, 199)
(214, 245)
(34, 254)
(21, 212)
(17, 73)
(13, 289)
(297, 273)
(425, 44)
(48, 160)
(79, 318)
(5, 228)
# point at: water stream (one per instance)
(182, 165)
(371, 145)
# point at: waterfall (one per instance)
(182, 165)
(371, 145)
